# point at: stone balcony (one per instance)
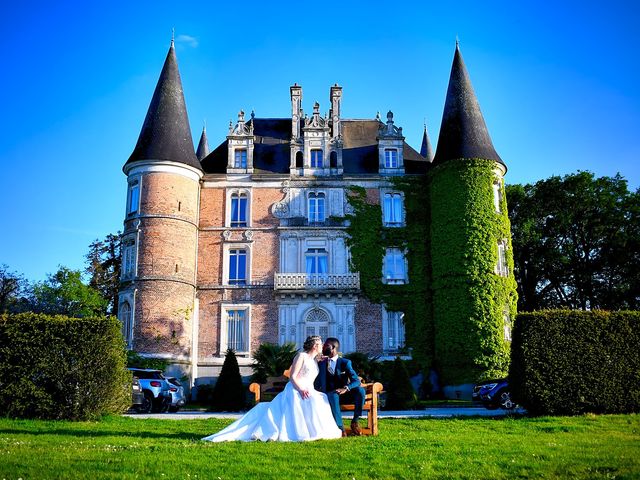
(329, 281)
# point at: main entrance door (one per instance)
(317, 323)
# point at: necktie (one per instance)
(331, 367)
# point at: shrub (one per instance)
(365, 366)
(56, 367)
(568, 362)
(136, 361)
(228, 393)
(400, 394)
(271, 360)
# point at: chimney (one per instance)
(296, 110)
(336, 100)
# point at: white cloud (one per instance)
(187, 40)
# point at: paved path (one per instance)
(443, 412)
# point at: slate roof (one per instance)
(166, 134)
(463, 133)
(272, 149)
(203, 145)
(425, 150)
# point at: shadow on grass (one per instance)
(97, 434)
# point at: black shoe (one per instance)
(355, 428)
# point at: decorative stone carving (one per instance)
(248, 235)
(281, 208)
(226, 235)
(317, 315)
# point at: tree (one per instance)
(228, 393)
(400, 394)
(576, 242)
(104, 263)
(271, 359)
(64, 293)
(12, 285)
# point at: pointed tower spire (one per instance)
(463, 133)
(166, 134)
(203, 146)
(425, 150)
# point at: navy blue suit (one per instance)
(343, 376)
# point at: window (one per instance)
(501, 267)
(392, 208)
(237, 331)
(237, 267)
(316, 261)
(507, 326)
(128, 258)
(390, 158)
(239, 210)
(134, 197)
(393, 331)
(394, 269)
(316, 208)
(497, 195)
(125, 318)
(316, 158)
(240, 158)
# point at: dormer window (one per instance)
(391, 158)
(316, 158)
(240, 159)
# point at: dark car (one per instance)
(137, 397)
(155, 389)
(493, 394)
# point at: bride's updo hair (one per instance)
(310, 342)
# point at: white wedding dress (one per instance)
(288, 417)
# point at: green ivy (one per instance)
(469, 299)
(368, 239)
(454, 302)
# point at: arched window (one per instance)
(317, 323)
(333, 160)
(299, 160)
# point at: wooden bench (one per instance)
(264, 392)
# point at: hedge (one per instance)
(56, 367)
(568, 362)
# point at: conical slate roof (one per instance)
(463, 133)
(203, 146)
(425, 150)
(166, 134)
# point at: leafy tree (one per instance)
(228, 393)
(12, 285)
(64, 293)
(104, 264)
(270, 360)
(576, 243)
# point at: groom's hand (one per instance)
(340, 391)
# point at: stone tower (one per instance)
(474, 290)
(158, 283)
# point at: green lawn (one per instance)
(588, 447)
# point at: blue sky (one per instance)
(557, 83)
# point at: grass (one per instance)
(589, 447)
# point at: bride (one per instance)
(299, 413)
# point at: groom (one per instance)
(341, 383)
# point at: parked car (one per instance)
(137, 397)
(177, 394)
(493, 394)
(155, 389)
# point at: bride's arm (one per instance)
(296, 366)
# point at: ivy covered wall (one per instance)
(454, 303)
(368, 239)
(470, 301)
